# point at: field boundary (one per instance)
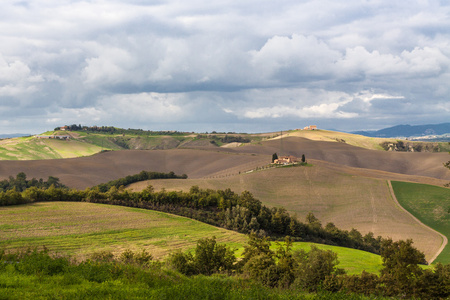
(444, 238)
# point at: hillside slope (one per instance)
(346, 184)
(333, 194)
(70, 144)
(196, 163)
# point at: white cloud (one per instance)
(222, 60)
(144, 107)
(298, 56)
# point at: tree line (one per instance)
(142, 176)
(20, 183)
(222, 208)
(114, 130)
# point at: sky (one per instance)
(239, 66)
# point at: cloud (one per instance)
(223, 62)
(294, 58)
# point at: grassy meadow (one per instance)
(31, 148)
(430, 204)
(80, 229)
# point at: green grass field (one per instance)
(430, 204)
(79, 229)
(31, 148)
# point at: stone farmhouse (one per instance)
(285, 160)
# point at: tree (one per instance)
(447, 165)
(258, 260)
(209, 258)
(401, 272)
(314, 267)
(274, 156)
(303, 158)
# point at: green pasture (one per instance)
(430, 204)
(100, 140)
(79, 229)
(31, 148)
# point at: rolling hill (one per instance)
(346, 182)
(80, 229)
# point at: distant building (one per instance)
(310, 127)
(284, 160)
(64, 128)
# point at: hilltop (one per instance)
(86, 141)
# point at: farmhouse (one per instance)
(310, 127)
(284, 160)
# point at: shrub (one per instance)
(209, 258)
(41, 263)
(313, 267)
(142, 258)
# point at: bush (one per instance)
(209, 258)
(142, 258)
(314, 267)
(41, 263)
(182, 262)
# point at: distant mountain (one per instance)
(13, 135)
(409, 131)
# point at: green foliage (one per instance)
(365, 283)
(143, 175)
(114, 130)
(142, 258)
(314, 267)
(20, 183)
(258, 261)
(210, 257)
(401, 269)
(41, 263)
(288, 275)
(283, 267)
(274, 156)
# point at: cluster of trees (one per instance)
(217, 140)
(223, 208)
(234, 139)
(114, 130)
(20, 183)
(143, 175)
(410, 146)
(401, 275)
